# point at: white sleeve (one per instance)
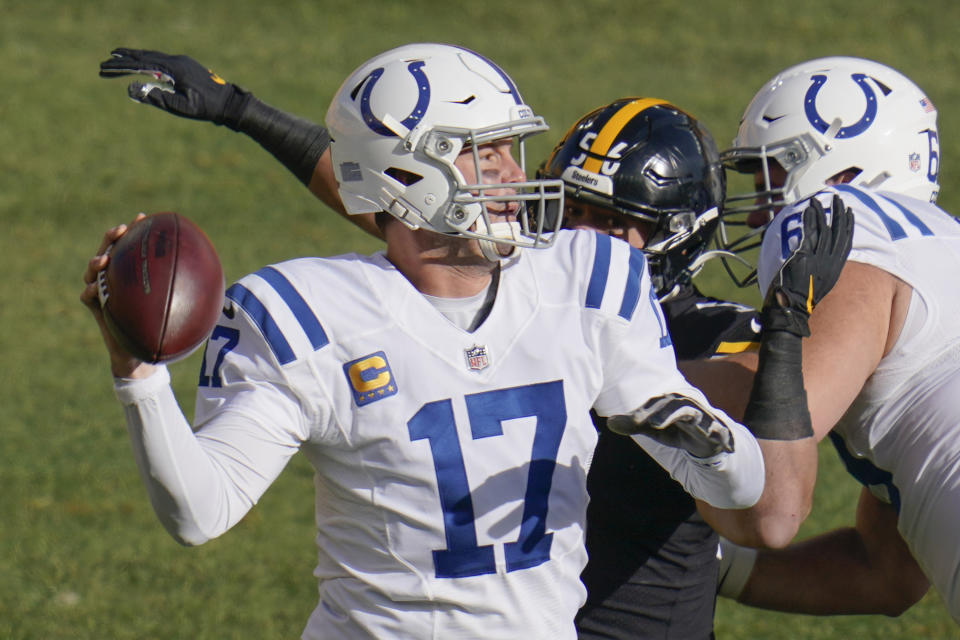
(200, 484)
(639, 364)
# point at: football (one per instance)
(162, 290)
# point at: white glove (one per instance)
(676, 421)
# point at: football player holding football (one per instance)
(638, 169)
(450, 434)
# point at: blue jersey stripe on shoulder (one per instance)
(911, 216)
(893, 227)
(301, 310)
(601, 268)
(631, 293)
(268, 326)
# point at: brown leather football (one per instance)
(162, 290)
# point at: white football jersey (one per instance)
(450, 466)
(901, 435)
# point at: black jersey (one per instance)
(652, 568)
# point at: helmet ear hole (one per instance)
(847, 175)
(404, 177)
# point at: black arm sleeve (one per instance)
(295, 142)
(777, 409)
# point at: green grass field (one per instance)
(81, 553)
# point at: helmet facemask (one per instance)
(677, 252)
(535, 206)
(746, 214)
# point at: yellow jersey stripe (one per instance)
(726, 348)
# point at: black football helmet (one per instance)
(647, 159)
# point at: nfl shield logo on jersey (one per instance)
(914, 162)
(476, 357)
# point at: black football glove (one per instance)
(676, 421)
(811, 270)
(186, 88)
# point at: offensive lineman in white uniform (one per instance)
(442, 389)
(882, 369)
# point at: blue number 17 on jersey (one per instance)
(435, 422)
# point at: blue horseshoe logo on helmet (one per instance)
(423, 86)
(855, 129)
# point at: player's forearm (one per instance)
(803, 578)
(192, 496)
(827, 575)
(860, 570)
(777, 415)
(297, 143)
(182, 86)
(791, 468)
(303, 147)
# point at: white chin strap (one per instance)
(497, 251)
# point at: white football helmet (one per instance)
(826, 116)
(398, 123)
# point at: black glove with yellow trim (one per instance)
(186, 88)
(182, 86)
(811, 270)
